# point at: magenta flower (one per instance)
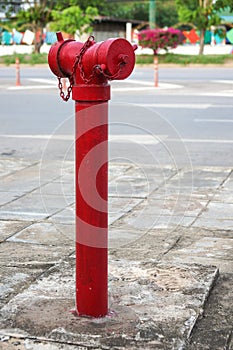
(156, 39)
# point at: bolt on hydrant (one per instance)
(89, 67)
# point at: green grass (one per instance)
(30, 59)
(185, 59)
(171, 58)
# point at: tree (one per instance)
(166, 13)
(83, 4)
(36, 14)
(223, 4)
(202, 13)
(157, 39)
(30, 14)
(73, 18)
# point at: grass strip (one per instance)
(169, 58)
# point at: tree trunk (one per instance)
(202, 42)
(39, 41)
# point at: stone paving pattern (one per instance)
(170, 258)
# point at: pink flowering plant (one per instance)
(156, 39)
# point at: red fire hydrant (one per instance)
(89, 67)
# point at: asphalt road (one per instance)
(186, 120)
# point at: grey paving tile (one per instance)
(65, 216)
(207, 251)
(213, 223)
(118, 206)
(117, 170)
(146, 301)
(31, 255)
(46, 233)
(9, 166)
(217, 215)
(9, 228)
(6, 197)
(59, 188)
(128, 244)
(33, 207)
(14, 279)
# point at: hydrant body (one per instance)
(89, 67)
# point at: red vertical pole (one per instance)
(17, 67)
(64, 83)
(91, 208)
(156, 69)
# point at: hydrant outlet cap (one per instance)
(115, 55)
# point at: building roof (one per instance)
(117, 20)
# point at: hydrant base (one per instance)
(88, 92)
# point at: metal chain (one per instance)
(78, 63)
(62, 94)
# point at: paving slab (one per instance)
(152, 245)
(31, 255)
(145, 218)
(152, 306)
(9, 228)
(14, 279)
(36, 206)
(140, 181)
(204, 250)
(7, 197)
(217, 215)
(214, 329)
(9, 166)
(45, 233)
(170, 232)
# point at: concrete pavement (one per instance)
(170, 258)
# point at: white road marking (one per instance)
(125, 89)
(128, 138)
(224, 93)
(147, 86)
(213, 120)
(40, 137)
(30, 87)
(52, 83)
(44, 81)
(143, 139)
(223, 81)
(200, 141)
(175, 105)
(139, 82)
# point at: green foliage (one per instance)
(168, 58)
(202, 13)
(83, 4)
(72, 19)
(126, 10)
(223, 4)
(166, 13)
(37, 15)
(31, 59)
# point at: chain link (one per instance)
(97, 70)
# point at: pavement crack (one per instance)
(173, 246)
(228, 341)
